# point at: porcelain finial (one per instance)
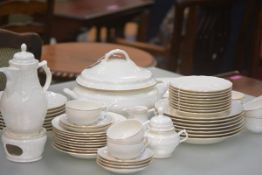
(23, 47)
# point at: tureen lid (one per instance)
(23, 57)
(112, 73)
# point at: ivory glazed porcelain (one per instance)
(24, 103)
(162, 138)
(119, 83)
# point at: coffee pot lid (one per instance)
(24, 57)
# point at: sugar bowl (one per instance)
(161, 136)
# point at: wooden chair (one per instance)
(40, 13)
(200, 38)
(10, 42)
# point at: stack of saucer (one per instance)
(56, 106)
(108, 162)
(202, 105)
(80, 141)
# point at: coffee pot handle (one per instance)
(48, 73)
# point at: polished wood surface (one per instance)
(88, 9)
(69, 59)
(246, 85)
(243, 83)
(40, 13)
(74, 15)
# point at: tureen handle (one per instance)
(118, 51)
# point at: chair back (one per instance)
(207, 39)
(39, 16)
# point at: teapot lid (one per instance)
(112, 73)
(23, 57)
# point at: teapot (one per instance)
(161, 136)
(23, 103)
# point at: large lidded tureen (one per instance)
(119, 83)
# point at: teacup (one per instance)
(140, 113)
(82, 112)
(129, 131)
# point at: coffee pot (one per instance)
(23, 103)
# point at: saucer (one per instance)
(122, 171)
(103, 122)
(103, 153)
(76, 155)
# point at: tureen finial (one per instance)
(23, 47)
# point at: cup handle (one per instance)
(48, 80)
(186, 135)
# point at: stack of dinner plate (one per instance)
(200, 94)
(108, 162)
(56, 106)
(80, 141)
(202, 105)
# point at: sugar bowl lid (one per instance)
(161, 121)
(113, 73)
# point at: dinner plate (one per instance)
(206, 123)
(196, 98)
(210, 140)
(186, 92)
(81, 144)
(55, 100)
(81, 138)
(201, 83)
(202, 131)
(209, 127)
(236, 108)
(203, 107)
(76, 154)
(77, 148)
(200, 103)
(191, 135)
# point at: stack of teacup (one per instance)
(126, 151)
(82, 129)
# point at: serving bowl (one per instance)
(119, 83)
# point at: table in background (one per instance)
(239, 155)
(73, 15)
(69, 59)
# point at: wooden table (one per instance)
(69, 59)
(76, 14)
